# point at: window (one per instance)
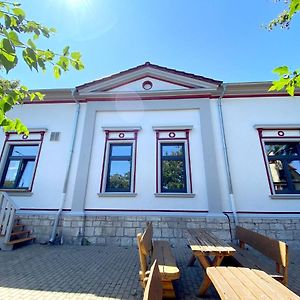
(173, 169)
(173, 173)
(281, 149)
(20, 155)
(284, 165)
(118, 169)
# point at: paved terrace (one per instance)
(95, 272)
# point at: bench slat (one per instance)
(273, 249)
(153, 290)
(146, 240)
(166, 260)
(269, 247)
(225, 291)
(280, 292)
(233, 280)
(246, 259)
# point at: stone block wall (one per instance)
(122, 230)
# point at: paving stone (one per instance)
(109, 272)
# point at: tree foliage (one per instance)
(288, 79)
(18, 37)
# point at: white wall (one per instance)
(250, 182)
(50, 174)
(146, 163)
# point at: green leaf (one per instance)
(31, 44)
(66, 51)
(41, 64)
(283, 70)
(294, 7)
(32, 59)
(7, 46)
(40, 95)
(23, 87)
(63, 63)
(14, 38)
(76, 55)
(31, 96)
(7, 21)
(291, 90)
(19, 12)
(56, 72)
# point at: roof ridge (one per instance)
(148, 64)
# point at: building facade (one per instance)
(152, 143)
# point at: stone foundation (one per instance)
(122, 230)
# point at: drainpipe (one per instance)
(225, 151)
(64, 193)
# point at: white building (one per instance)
(152, 143)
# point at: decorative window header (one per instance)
(277, 133)
(166, 134)
(34, 136)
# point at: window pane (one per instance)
(25, 150)
(173, 176)
(278, 175)
(172, 150)
(119, 176)
(11, 174)
(294, 167)
(121, 150)
(26, 176)
(282, 149)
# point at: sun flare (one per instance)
(76, 3)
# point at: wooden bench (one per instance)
(235, 283)
(153, 289)
(149, 251)
(276, 251)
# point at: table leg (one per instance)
(206, 263)
(192, 261)
(204, 285)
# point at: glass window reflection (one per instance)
(19, 167)
(284, 166)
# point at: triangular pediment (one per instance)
(148, 77)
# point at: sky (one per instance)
(220, 39)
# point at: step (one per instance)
(20, 232)
(18, 225)
(14, 242)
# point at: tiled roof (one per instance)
(148, 64)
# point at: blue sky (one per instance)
(220, 39)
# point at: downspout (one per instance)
(231, 198)
(64, 193)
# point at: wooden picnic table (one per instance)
(209, 250)
(235, 283)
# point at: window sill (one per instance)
(21, 193)
(174, 195)
(115, 194)
(286, 196)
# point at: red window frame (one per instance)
(276, 134)
(172, 137)
(122, 135)
(14, 139)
